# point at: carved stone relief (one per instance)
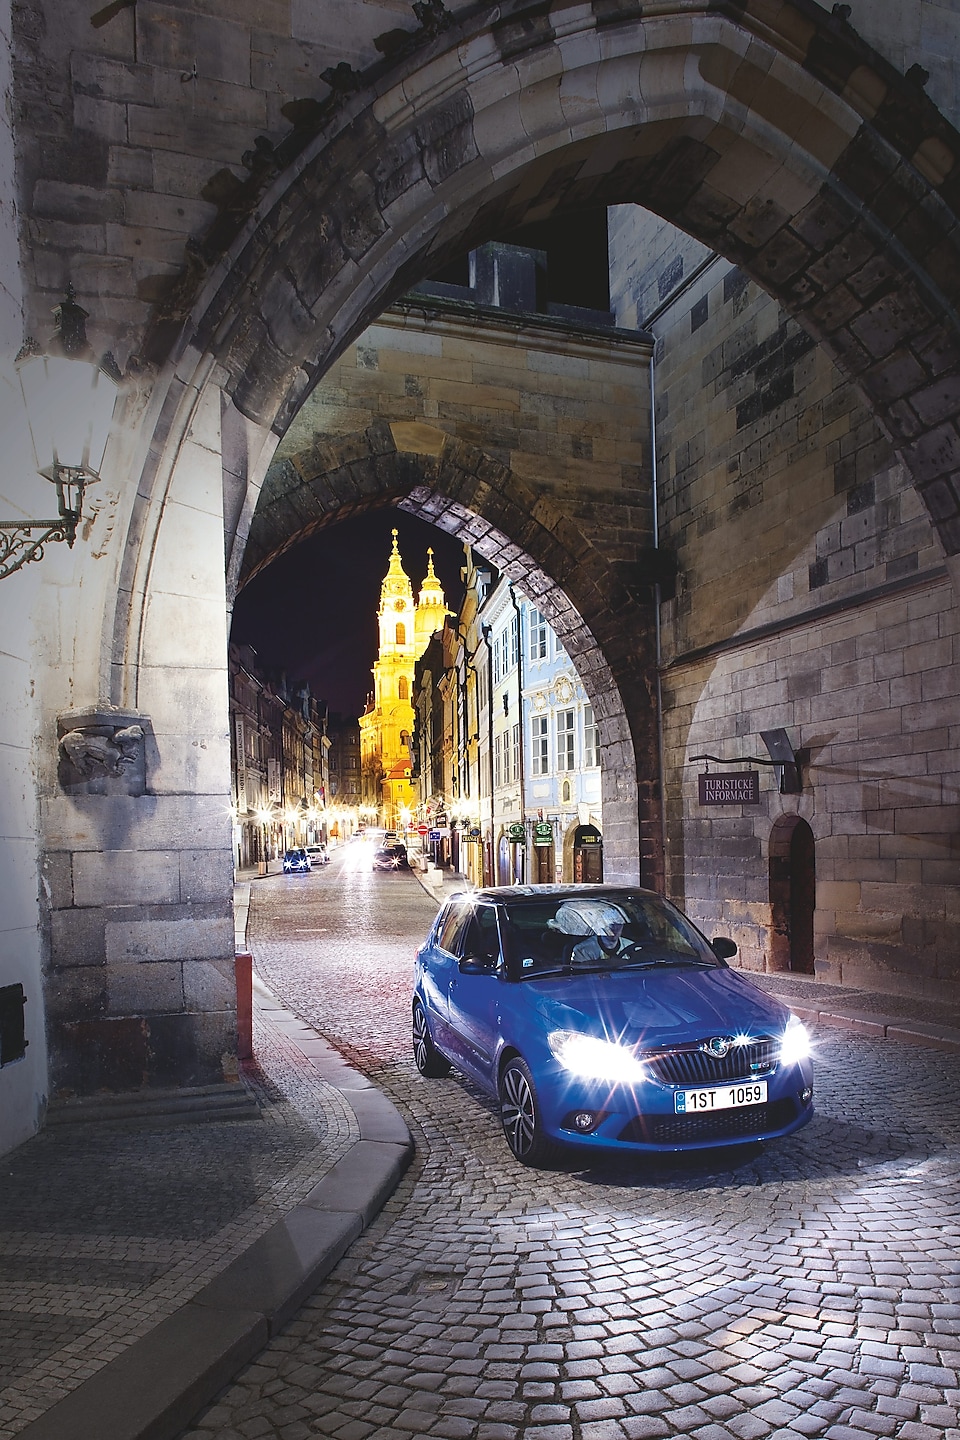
(102, 752)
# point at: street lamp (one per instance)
(69, 397)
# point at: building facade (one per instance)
(279, 757)
(344, 793)
(507, 756)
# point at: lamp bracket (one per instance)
(18, 546)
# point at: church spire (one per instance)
(431, 605)
(396, 581)
(431, 587)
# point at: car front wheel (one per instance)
(520, 1116)
(428, 1059)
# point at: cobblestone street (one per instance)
(809, 1289)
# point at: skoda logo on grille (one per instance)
(718, 1046)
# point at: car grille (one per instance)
(696, 1067)
(730, 1125)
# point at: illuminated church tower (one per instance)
(387, 723)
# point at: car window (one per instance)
(448, 926)
(479, 937)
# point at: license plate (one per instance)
(720, 1097)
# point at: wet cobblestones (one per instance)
(809, 1289)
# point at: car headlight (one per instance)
(795, 1044)
(595, 1059)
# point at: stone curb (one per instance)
(157, 1385)
(884, 1027)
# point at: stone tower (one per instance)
(387, 723)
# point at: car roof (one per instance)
(529, 894)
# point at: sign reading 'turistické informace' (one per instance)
(734, 787)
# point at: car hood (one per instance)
(656, 1008)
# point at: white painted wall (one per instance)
(23, 1083)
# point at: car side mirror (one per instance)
(475, 965)
(723, 947)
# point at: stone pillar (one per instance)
(139, 865)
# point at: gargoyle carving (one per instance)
(103, 754)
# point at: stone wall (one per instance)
(531, 439)
(813, 597)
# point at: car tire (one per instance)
(427, 1057)
(520, 1116)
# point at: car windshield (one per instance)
(571, 934)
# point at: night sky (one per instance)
(313, 612)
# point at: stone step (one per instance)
(162, 1106)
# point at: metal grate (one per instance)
(745, 1124)
(696, 1067)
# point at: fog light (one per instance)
(806, 1094)
(583, 1121)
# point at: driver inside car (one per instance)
(601, 925)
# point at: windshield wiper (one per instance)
(664, 962)
(567, 969)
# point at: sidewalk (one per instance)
(145, 1260)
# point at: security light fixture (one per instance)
(69, 396)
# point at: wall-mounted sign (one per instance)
(516, 833)
(474, 832)
(543, 833)
(734, 787)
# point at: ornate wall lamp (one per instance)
(69, 396)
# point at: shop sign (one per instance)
(734, 787)
(517, 833)
(543, 833)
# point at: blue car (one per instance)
(601, 1018)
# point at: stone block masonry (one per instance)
(813, 598)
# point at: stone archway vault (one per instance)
(773, 134)
(605, 627)
(770, 132)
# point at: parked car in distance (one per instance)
(391, 857)
(601, 1018)
(318, 854)
(296, 861)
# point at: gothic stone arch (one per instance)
(771, 133)
(604, 625)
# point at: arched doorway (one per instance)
(793, 896)
(587, 855)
